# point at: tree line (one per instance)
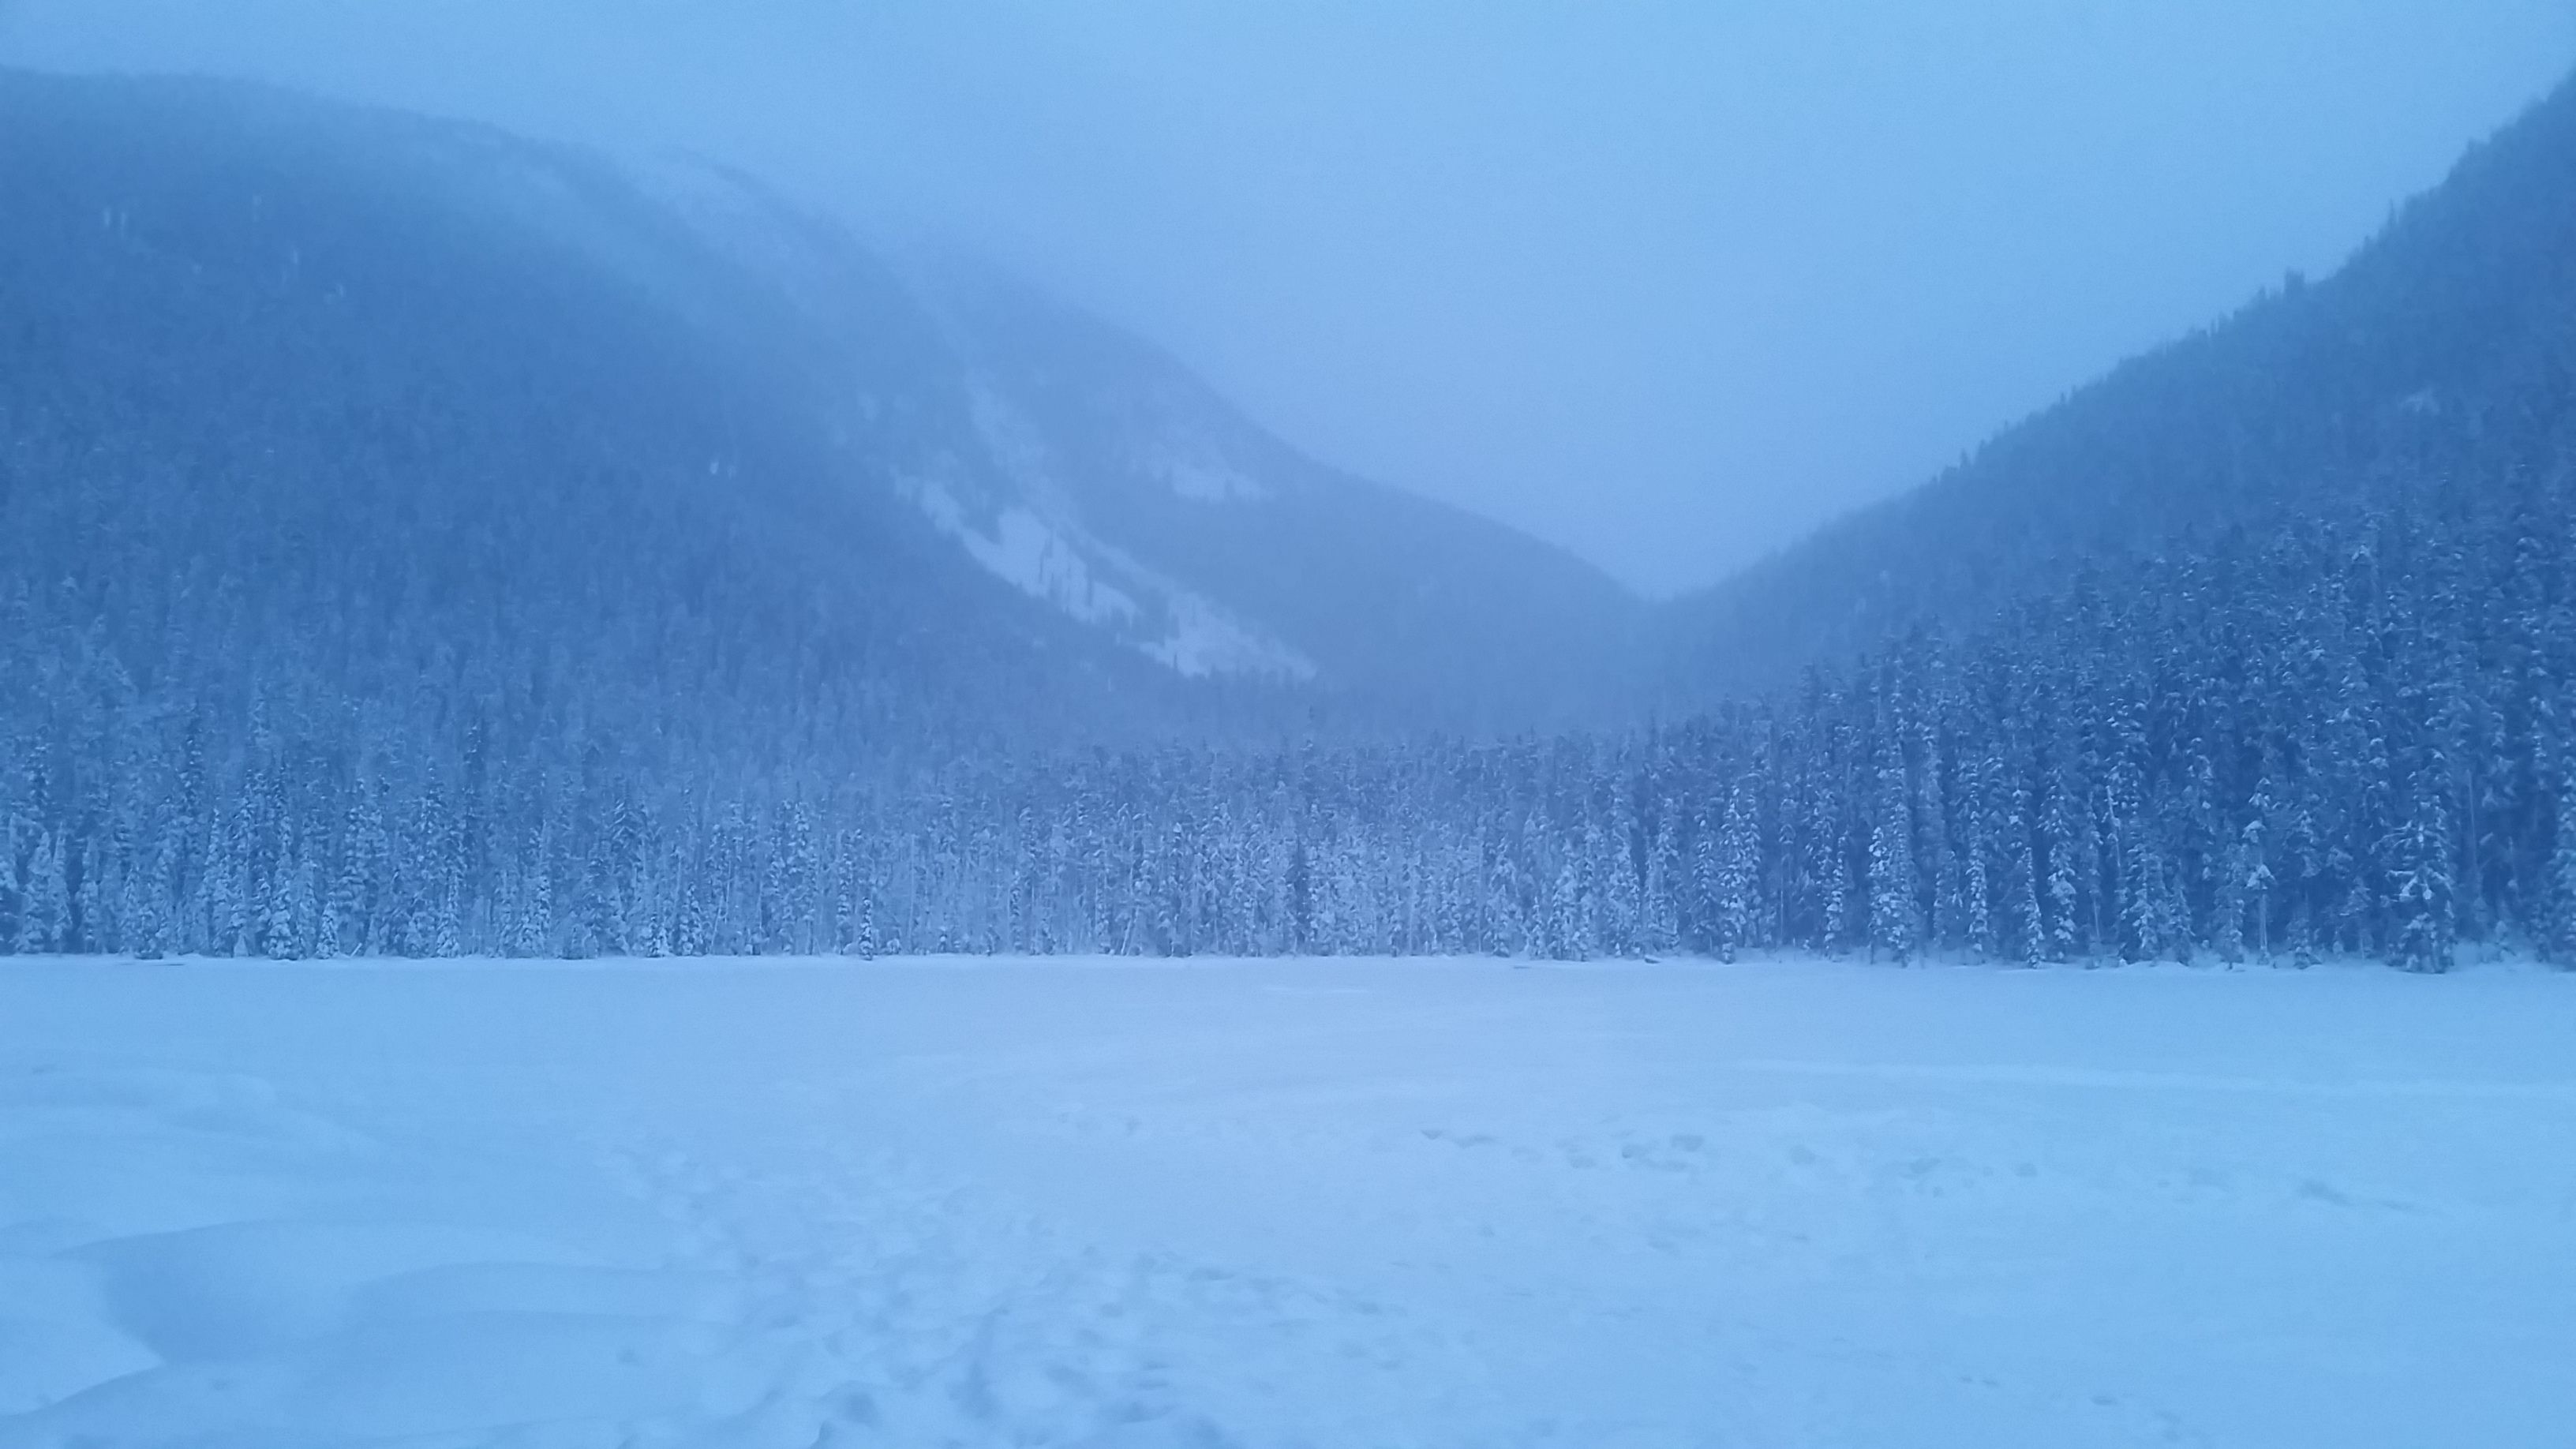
(2345, 736)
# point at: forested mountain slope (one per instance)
(639, 602)
(2444, 349)
(1441, 618)
(1080, 467)
(637, 393)
(374, 483)
(333, 404)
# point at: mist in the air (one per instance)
(1667, 284)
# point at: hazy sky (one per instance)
(1667, 283)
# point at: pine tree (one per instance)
(1662, 889)
(2561, 874)
(45, 908)
(1738, 856)
(1893, 929)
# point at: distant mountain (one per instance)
(330, 424)
(1089, 472)
(2444, 349)
(404, 526)
(375, 389)
(1127, 477)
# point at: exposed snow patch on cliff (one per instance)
(1017, 520)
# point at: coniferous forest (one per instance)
(2344, 738)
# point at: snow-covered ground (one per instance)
(1291, 1203)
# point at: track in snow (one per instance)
(1282, 1203)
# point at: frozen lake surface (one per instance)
(1323, 1203)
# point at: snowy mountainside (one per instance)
(335, 277)
(1088, 470)
(1134, 461)
(1020, 521)
(538, 418)
(909, 415)
(415, 539)
(2435, 357)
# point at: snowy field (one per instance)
(1334, 1204)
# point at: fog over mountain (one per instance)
(210, 274)
(815, 722)
(1669, 287)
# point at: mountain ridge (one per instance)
(1123, 507)
(2428, 350)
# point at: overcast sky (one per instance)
(1667, 283)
